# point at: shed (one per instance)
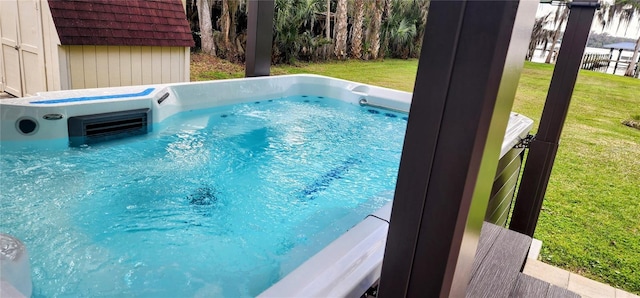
(50, 45)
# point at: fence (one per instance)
(597, 62)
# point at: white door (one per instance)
(10, 48)
(31, 54)
(23, 59)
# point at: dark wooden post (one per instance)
(617, 60)
(637, 70)
(609, 63)
(259, 37)
(472, 56)
(537, 170)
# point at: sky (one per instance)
(632, 32)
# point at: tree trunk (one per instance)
(327, 20)
(556, 34)
(356, 37)
(388, 6)
(225, 23)
(206, 29)
(424, 12)
(386, 14)
(340, 32)
(234, 6)
(232, 48)
(374, 29)
(634, 60)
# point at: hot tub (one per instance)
(127, 191)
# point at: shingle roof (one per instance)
(121, 22)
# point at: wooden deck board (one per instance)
(557, 292)
(488, 236)
(497, 267)
(498, 271)
(527, 286)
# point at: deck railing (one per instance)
(597, 62)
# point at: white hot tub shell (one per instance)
(346, 267)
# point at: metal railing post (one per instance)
(259, 37)
(544, 146)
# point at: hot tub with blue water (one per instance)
(205, 189)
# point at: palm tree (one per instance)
(539, 35)
(309, 9)
(356, 33)
(340, 33)
(401, 39)
(624, 10)
(206, 28)
(400, 29)
(387, 9)
(286, 39)
(385, 22)
(312, 46)
(373, 34)
(403, 24)
(424, 12)
(293, 39)
(562, 13)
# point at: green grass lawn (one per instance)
(590, 222)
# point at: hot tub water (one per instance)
(222, 201)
